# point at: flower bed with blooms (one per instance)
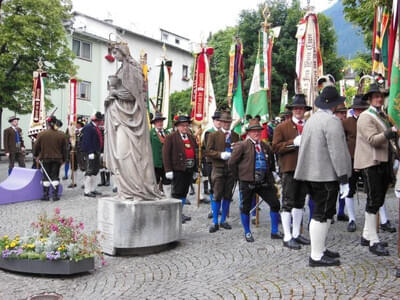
(53, 238)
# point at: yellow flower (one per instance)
(13, 244)
(31, 246)
(6, 246)
(5, 237)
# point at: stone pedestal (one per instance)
(137, 227)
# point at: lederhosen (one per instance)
(207, 164)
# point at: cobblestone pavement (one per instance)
(211, 266)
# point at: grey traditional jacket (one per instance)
(323, 153)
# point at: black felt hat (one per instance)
(157, 117)
(10, 119)
(182, 119)
(217, 115)
(358, 102)
(374, 88)
(254, 124)
(299, 100)
(329, 98)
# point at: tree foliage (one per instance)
(361, 13)
(180, 102)
(30, 29)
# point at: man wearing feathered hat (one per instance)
(157, 139)
(286, 142)
(51, 148)
(180, 162)
(324, 163)
(372, 157)
(92, 143)
(350, 130)
(14, 147)
(252, 163)
(219, 149)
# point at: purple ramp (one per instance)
(22, 185)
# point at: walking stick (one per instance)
(199, 169)
(257, 212)
(46, 174)
(72, 159)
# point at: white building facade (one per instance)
(89, 40)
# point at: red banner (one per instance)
(199, 84)
(72, 102)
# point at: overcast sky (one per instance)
(188, 18)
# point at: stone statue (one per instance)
(127, 148)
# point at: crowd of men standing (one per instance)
(320, 159)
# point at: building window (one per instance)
(164, 36)
(82, 49)
(185, 72)
(177, 41)
(84, 90)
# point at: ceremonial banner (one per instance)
(284, 98)
(258, 102)
(203, 99)
(394, 25)
(72, 111)
(394, 96)
(380, 42)
(38, 116)
(308, 58)
(235, 85)
(163, 91)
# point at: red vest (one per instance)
(189, 151)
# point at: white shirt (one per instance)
(296, 121)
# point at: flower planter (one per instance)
(50, 267)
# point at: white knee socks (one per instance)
(318, 232)
(297, 214)
(350, 209)
(286, 218)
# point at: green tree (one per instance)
(180, 102)
(361, 13)
(361, 63)
(30, 29)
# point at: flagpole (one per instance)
(199, 166)
(266, 26)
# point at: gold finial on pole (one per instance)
(266, 14)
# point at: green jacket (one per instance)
(156, 146)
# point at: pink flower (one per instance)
(54, 227)
(57, 210)
(81, 226)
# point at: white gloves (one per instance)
(195, 175)
(91, 156)
(397, 193)
(297, 141)
(169, 175)
(396, 164)
(225, 155)
(344, 190)
(276, 177)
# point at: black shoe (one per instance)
(96, 193)
(379, 250)
(387, 227)
(210, 215)
(291, 244)
(55, 193)
(91, 195)
(115, 190)
(343, 218)
(249, 237)
(331, 254)
(325, 261)
(65, 178)
(213, 228)
(332, 221)
(187, 202)
(365, 242)
(351, 227)
(205, 200)
(71, 186)
(186, 218)
(302, 240)
(225, 225)
(277, 236)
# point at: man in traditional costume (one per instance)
(157, 138)
(372, 156)
(252, 163)
(350, 130)
(14, 147)
(51, 149)
(219, 150)
(324, 162)
(179, 158)
(286, 144)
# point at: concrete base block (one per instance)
(141, 225)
